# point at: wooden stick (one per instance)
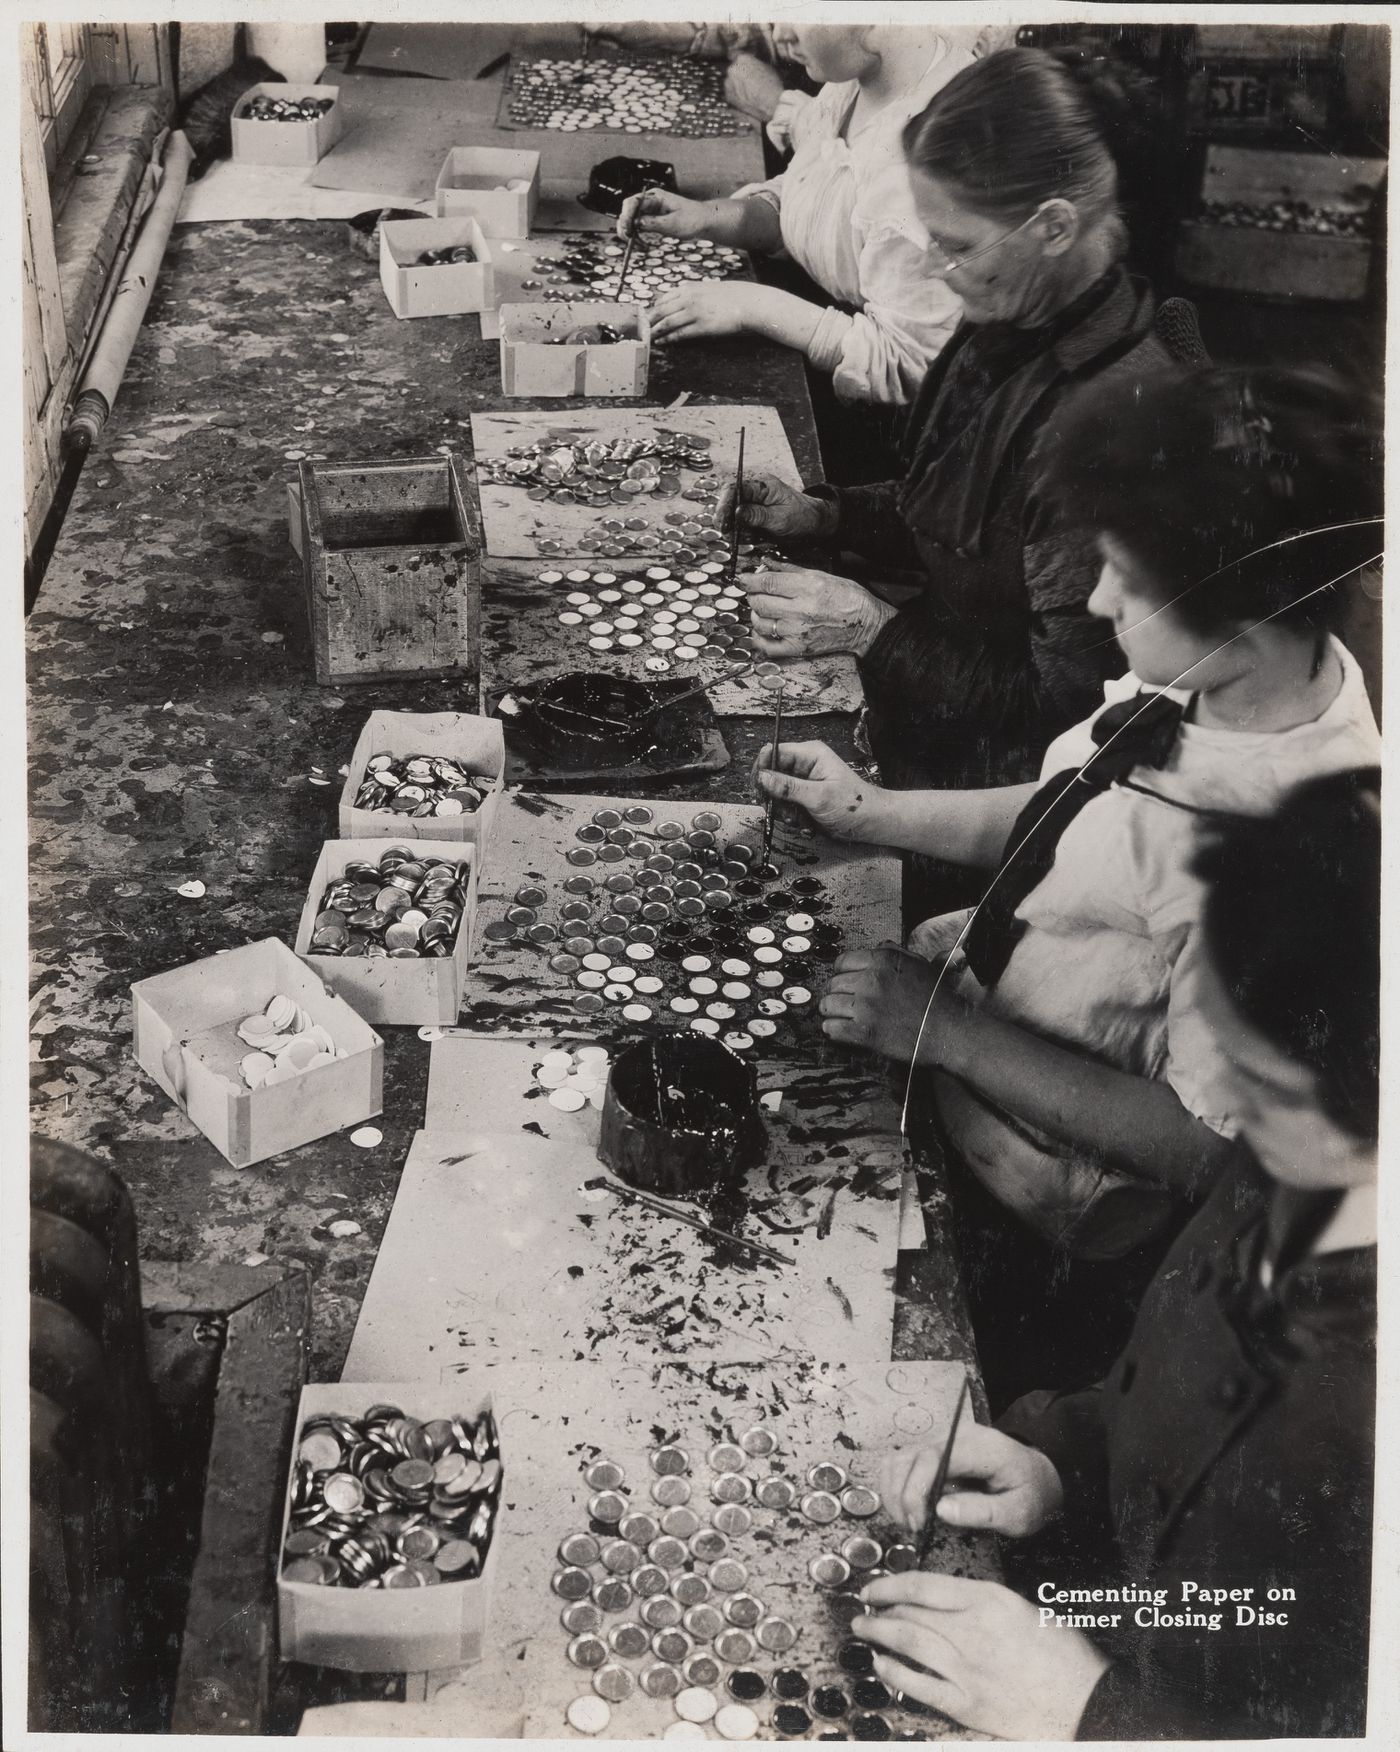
(627, 257)
(665, 1210)
(733, 570)
(940, 1479)
(771, 805)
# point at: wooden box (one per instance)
(286, 142)
(387, 1630)
(294, 514)
(447, 289)
(474, 742)
(417, 994)
(473, 180)
(391, 555)
(532, 363)
(185, 1036)
(1281, 264)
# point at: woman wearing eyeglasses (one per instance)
(1013, 177)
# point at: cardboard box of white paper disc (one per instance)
(401, 1629)
(499, 187)
(185, 1029)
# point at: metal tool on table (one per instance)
(940, 1480)
(770, 807)
(665, 1210)
(703, 686)
(644, 714)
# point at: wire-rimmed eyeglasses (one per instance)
(941, 263)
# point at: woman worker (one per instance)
(842, 212)
(1059, 1052)
(1231, 1447)
(1012, 175)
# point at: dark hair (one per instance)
(1196, 474)
(1023, 126)
(1292, 924)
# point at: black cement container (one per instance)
(681, 1117)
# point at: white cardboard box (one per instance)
(474, 742)
(386, 1630)
(448, 289)
(532, 363)
(473, 180)
(421, 993)
(184, 1026)
(287, 142)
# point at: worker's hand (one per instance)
(702, 309)
(994, 1482)
(800, 612)
(981, 1654)
(644, 38)
(835, 797)
(659, 212)
(888, 1001)
(772, 508)
(752, 86)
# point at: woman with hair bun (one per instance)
(1013, 175)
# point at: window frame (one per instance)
(62, 85)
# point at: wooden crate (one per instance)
(387, 1630)
(1282, 264)
(381, 989)
(184, 1026)
(287, 142)
(473, 181)
(391, 554)
(532, 363)
(475, 742)
(448, 289)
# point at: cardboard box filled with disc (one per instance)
(286, 124)
(597, 348)
(425, 775)
(389, 928)
(389, 1528)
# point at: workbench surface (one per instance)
(176, 733)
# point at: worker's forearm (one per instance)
(750, 224)
(1132, 1123)
(961, 827)
(782, 317)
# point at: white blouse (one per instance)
(1112, 954)
(848, 220)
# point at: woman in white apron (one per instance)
(841, 210)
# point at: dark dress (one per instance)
(1232, 1445)
(968, 685)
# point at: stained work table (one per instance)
(177, 735)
